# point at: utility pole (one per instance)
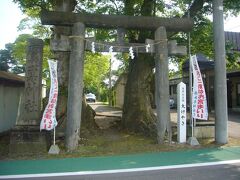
(220, 83)
(110, 83)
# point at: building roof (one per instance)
(233, 73)
(203, 62)
(11, 78)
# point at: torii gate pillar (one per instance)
(162, 85)
(75, 86)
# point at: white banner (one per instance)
(49, 121)
(199, 99)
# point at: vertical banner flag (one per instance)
(199, 99)
(49, 116)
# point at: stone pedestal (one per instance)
(205, 131)
(54, 149)
(193, 141)
(28, 140)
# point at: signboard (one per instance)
(49, 116)
(181, 110)
(199, 99)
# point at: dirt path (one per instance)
(109, 116)
(104, 110)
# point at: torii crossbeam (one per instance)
(115, 21)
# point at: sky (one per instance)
(11, 15)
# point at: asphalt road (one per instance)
(214, 172)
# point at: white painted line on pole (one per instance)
(81, 173)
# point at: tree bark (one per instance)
(63, 64)
(195, 7)
(137, 111)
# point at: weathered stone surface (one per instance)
(175, 50)
(202, 131)
(25, 137)
(30, 107)
(61, 43)
(116, 21)
(75, 87)
(27, 140)
(162, 86)
(54, 149)
(193, 141)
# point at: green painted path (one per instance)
(118, 162)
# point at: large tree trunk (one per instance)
(63, 62)
(137, 111)
(63, 66)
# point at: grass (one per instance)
(104, 143)
(123, 143)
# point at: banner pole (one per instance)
(190, 76)
(54, 136)
(192, 127)
(190, 94)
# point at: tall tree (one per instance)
(8, 62)
(6, 58)
(137, 111)
(96, 68)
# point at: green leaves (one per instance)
(201, 35)
(96, 68)
(33, 7)
(19, 48)
(8, 62)
(232, 57)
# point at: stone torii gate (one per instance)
(76, 45)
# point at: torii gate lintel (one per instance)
(116, 21)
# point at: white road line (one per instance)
(80, 173)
